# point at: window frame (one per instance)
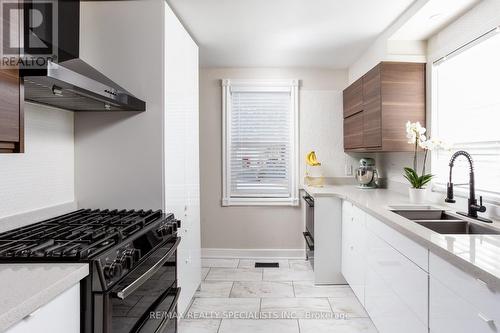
(461, 191)
(260, 85)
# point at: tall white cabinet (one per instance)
(181, 179)
(145, 160)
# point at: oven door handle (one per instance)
(307, 235)
(309, 200)
(129, 289)
(169, 312)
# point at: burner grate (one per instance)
(78, 235)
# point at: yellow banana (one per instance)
(311, 159)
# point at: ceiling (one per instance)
(433, 16)
(285, 33)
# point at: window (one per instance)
(260, 142)
(467, 105)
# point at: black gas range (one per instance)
(132, 286)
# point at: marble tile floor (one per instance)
(235, 297)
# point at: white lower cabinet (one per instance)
(327, 235)
(459, 302)
(404, 288)
(353, 248)
(61, 315)
(393, 289)
(451, 313)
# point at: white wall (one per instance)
(321, 130)
(44, 175)
(124, 40)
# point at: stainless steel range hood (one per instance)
(70, 83)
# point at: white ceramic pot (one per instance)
(417, 195)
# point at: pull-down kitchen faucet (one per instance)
(473, 207)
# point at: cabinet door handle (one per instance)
(31, 315)
(307, 235)
(481, 282)
(485, 319)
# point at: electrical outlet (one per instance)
(348, 170)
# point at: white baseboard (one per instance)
(253, 253)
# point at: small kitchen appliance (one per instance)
(367, 174)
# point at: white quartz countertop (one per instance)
(26, 287)
(477, 255)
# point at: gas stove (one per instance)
(78, 235)
(132, 258)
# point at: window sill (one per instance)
(463, 192)
(260, 202)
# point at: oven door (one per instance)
(145, 301)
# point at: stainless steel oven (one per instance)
(309, 232)
(145, 300)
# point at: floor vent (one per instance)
(267, 265)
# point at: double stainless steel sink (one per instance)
(443, 222)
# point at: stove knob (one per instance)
(125, 261)
(131, 257)
(108, 271)
(129, 261)
(162, 231)
(112, 270)
(178, 223)
(136, 254)
(174, 227)
(165, 231)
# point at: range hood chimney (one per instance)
(66, 81)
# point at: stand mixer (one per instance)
(367, 174)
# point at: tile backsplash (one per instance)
(44, 175)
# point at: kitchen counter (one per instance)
(26, 287)
(477, 255)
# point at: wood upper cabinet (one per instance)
(11, 107)
(353, 131)
(392, 93)
(11, 112)
(372, 125)
(353, 98)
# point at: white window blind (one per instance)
(260, 143)
(468, 113)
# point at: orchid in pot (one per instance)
(416, 135)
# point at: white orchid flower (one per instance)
(438, 144)
(412, 137)
(428, 145)
(422, 140)
(435, 144)
(415, 133)
(419, 129)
